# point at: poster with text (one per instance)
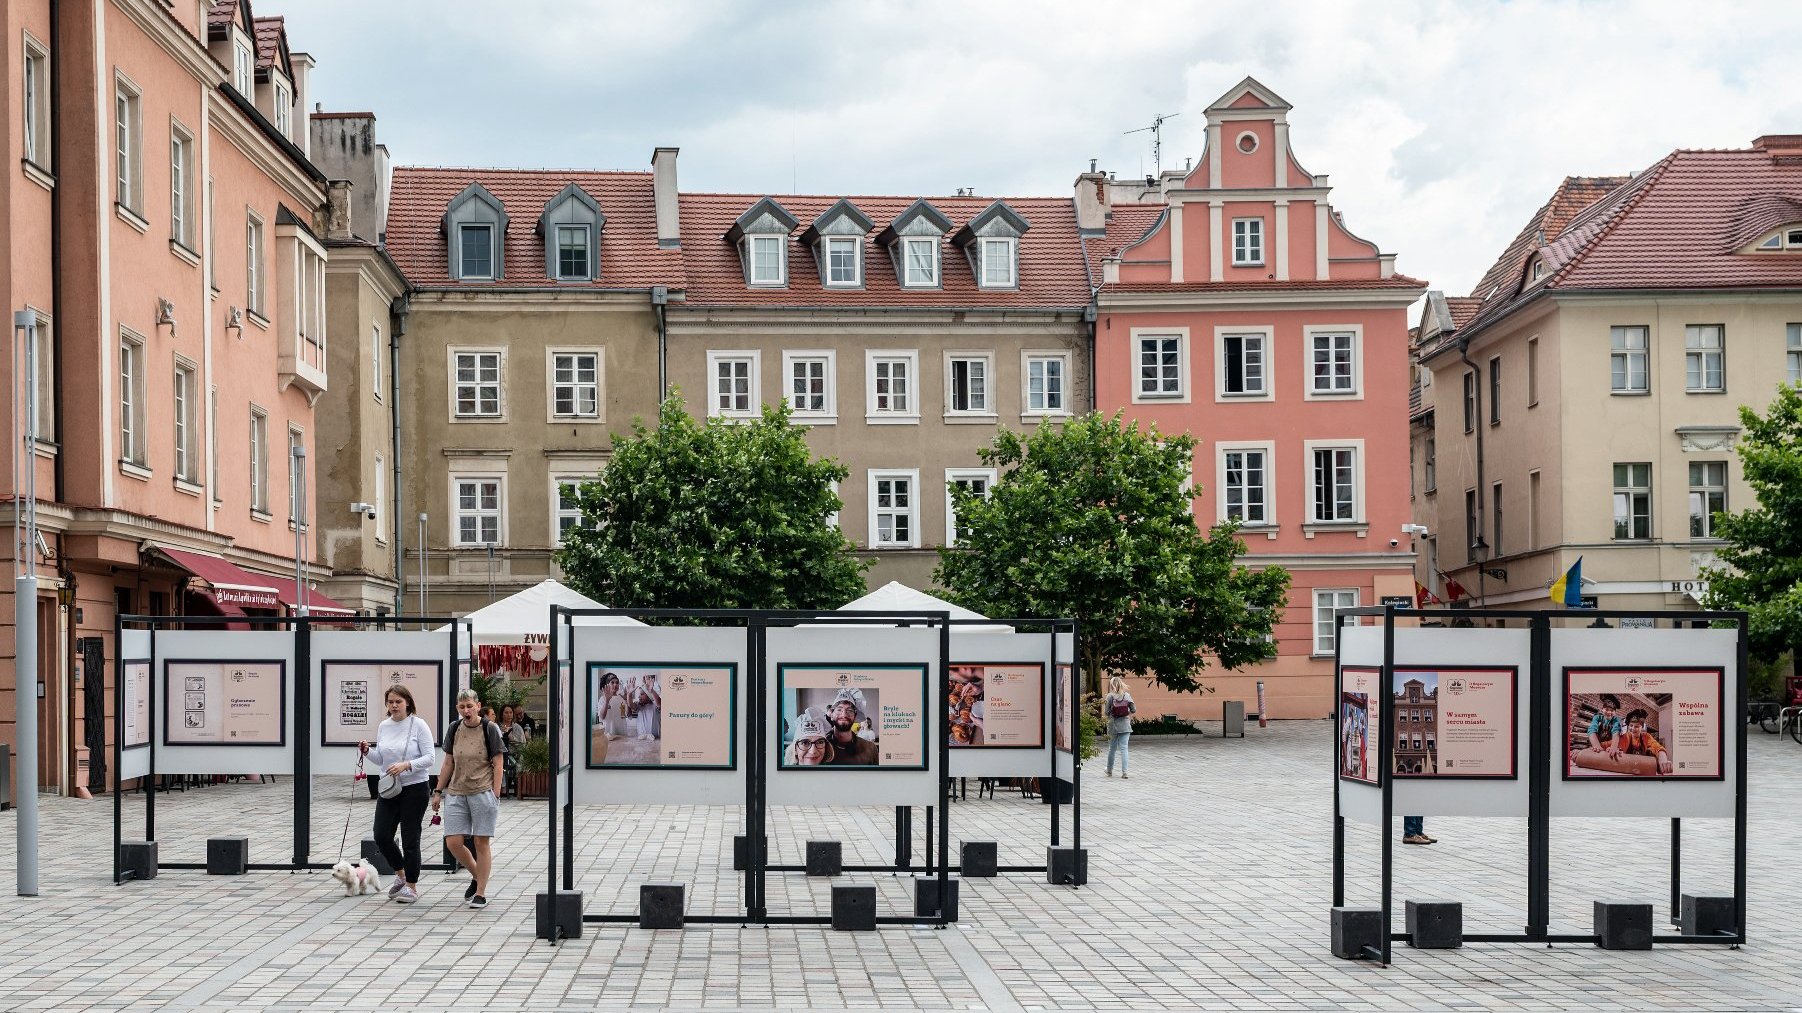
(354, 697)
(1061, 736)
(869, 716)
(137, 704)
(1660, 723)
(1360, 703)
(655, 715)
(996, 705)
(224, 703)
(1454, 722)
(567, 748)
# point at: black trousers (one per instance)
(405, 812)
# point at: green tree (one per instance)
(1092, 522)
(1763, 555)
(730, 514)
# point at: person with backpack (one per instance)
(1119, 709)
(469, 791)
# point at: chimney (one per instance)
(1091, 202)
(663, 187)
(337, 210)
(343, 147)
(302, 120)
(1784, 149)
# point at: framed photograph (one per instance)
(1641, 723)
(675, 715)
(353, 697)
(237, 703)
(851, 716)
(1360, 718)
(996, 705)
(1455, 722)
(1063, 734)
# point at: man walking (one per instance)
(470, 785)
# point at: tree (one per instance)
(730, 514)
(1763, 555)
(1092, 522)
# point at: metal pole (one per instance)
(1386, 770)
(1539, 779)
(298, 461)
(1338, 744)
(1676, 870)
(25, 609)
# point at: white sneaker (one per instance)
(407, 895)
(399, 884)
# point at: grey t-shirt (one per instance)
(1123, 724)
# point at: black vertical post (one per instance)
(1338, 818)
(1676, 869)
(1739, 793)
(118, 739)
(931, 823)
(555, 695)
(1052, 792)
(1076, 743)
(1539, 778)
(904, 837)
(1385, 763)
(944, 736)
(150, 770)
(302, 631)
(759, 770)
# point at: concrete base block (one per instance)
(978, 859)
(926, 898)
(1435, 924)
(741, 851)
(1623, 926)
(1708, 916)
(227, 856)
(825, 858)
(1067, 866)
(660, 906)
(373, 855)
(854, 908)
(138, 858)
(560, 915)
(1354, 929)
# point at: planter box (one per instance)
(534, 785)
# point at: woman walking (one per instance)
(402, 748)
(1118, 708)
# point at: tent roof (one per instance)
(509, 620)
(895, 596)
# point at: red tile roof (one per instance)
(1051, 270)
(220, 14)
(1127, 224)
(270, 42)
(1462, 308)
(1398, 281)
(629, 258)
(1572, 197)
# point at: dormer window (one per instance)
(475, 251)
(913, 240)
(1789, 238)
(998, 263)
(243, 68)
(920, 260)
(571, 227)
(284, 111)
(761, 235)
(572, 252)
(992, 242)
(767, 267)
(836, 239)
(842, 266)
(475, 230)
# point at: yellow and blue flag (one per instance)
(1568, 589)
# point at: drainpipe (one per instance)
(1477, 427)
(397, 326)
(660, 302)
(1090, 315)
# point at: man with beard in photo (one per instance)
(849, 749)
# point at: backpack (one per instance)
(1122, 707)
(491, 737)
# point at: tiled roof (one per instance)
(1127, 224)
(1572, 197)
(220, 14)
(269, 42)
(1052, 273)
(1462, 308)
(629, 257)
(1398, 281)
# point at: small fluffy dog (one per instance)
(357, 877)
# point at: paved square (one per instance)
(1209, 890)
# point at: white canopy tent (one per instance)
(524, 618)
(895, 596)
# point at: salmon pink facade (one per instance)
(1236, 307)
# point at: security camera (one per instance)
(1393, 542)
(366, 509)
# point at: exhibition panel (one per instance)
(225, 702)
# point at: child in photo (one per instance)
(1637, 741)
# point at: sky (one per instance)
(1442, 125)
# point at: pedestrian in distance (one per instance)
(469, 792)
(1414, 831)
(402, 748)
(1118, 708)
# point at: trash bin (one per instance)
(1232, 718)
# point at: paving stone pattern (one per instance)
(1210, 886)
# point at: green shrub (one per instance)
(535, 755)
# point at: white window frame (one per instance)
(463, 271)
(1309, 447)
(912, 475)
(128, 145)
(833, 520)
(752, 359)
(500, 384)
(955, 476)
(551, 384)
(1324, 627)
(1533, 371)
(1703, 490)
(856, 245)
(1630, 491)
(1139, 394)
(888, 416)
(134, 437)
(1248, 242)
(1313, 331)
(587, 242)
(253, 264)
(259, 462)
(185, 391)
(558, 481)
(243, 69)
(375, 361)
(35, 95)
(1030, 356)
(1626, 354)
(985, 413)
(457, 513)
(781, 244)
(1495, 390)
(1268, 449)
(1792, 351)
(828, 358)
(284, 111)
(181, 185)
(297, 507)
(908, 279)
(380, 499)
(986, 259)
(1266, 336)
(1696, 351)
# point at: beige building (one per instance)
(1589, 406)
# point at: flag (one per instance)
(1455, 590)
(1568, 589)
(1424, 597)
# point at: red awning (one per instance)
(230, 587)
(317, 604)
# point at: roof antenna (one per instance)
(1157, 138)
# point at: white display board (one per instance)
(140, 703)
(208, 700)
(805, 669)
(658, 715)
(420, 659)
(1064, 761)
(999, 689)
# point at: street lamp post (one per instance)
(25, 602)
(299, 464)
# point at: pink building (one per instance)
(1235, 306)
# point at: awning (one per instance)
(317, 604)
(230, 587)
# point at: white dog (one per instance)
(357, 877)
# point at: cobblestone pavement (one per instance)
(1209, 889)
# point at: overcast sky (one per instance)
(1443, 127)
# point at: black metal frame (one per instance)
(1539, 774)
(301, 769)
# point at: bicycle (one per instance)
(1766, 714)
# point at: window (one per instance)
(131, 401)
(967, 377)
(1335, 477)
(811, 394)
(187, 462)
(476, 251)
(568, 507)
(572, 253)
(297, 504)
(1532, 372)
(128, 160)
(1045, 384)
(842, 267)
(1470, 401)
(212, 437)
(37, 104)
(767, 266)
(1244, 364)
(478, 510)
(998, 263)
(380, 499)
(735, 384)
(243, 69)
(894, 510)
(375, 360)
(42, 423)
(1495, 390)
(253, 265)
(980, 481)
(1334, 363)
(1704, 358)
(920, 261)
(284, 111)
(1495, 524)
(1632, 501)
(1431, 467)
(1792, 355)
(1245, 485)
(1534, 525)
(1627, 360)
(1248, 241)
(259, 461)
(212, 241)
(1160, 365)
(1707, 496)
(576, 385)
(1789, 237)
(181, 187)
(1473, 535)
(476, 381)
(891, 386)
(1326, 602)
